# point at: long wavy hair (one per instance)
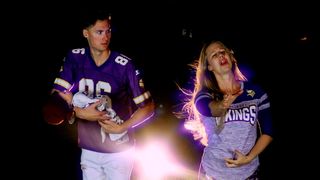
(204, 79)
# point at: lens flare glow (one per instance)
(156, 161)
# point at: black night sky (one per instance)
(164, 38)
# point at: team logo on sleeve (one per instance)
(61, 67)
(141, 84)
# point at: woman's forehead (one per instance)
(215, 47)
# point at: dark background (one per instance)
(266, 38)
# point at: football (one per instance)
(56, 110)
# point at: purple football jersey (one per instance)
(117, 78)
(239, 132)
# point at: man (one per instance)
(98, 71)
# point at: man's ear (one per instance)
(85, 33)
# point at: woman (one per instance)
(230, 111)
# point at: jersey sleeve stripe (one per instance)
(203, 96)
(142, 97)
(62, 83)
(264, 106)
(263, 98)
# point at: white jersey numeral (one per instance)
(78, 51)
(121, 60)
(88, 85)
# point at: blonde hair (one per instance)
(204, 80)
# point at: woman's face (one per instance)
(218, 58)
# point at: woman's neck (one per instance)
(228, 84)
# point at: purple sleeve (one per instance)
(140, 95)
(202, 100)
(65, 81)
(264, 116)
